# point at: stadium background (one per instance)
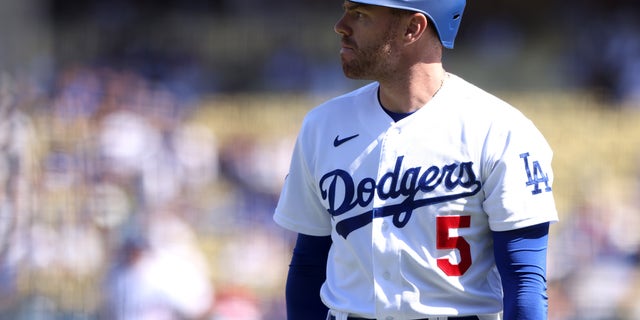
(162, 130)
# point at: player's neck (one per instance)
(410, 92)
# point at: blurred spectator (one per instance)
(236, 303)
(604, 50)
(594, 256)
(17, 177)
(287, 69)
(160, 275)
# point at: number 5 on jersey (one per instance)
(444, 241)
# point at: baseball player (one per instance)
(419, 195)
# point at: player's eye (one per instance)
(354, 11)
(355, 14)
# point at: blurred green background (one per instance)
(143, 145)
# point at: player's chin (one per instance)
(351, 72)
(350, 68)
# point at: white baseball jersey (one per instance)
(410, 205)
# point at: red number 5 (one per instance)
(445, 241)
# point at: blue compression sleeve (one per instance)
(521, 258)
(307, 273)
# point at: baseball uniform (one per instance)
(410, 205)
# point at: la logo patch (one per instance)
(537, 176)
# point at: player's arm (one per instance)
(307, 273)
(521, 258)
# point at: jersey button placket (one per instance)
(385, 253)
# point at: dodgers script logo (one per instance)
(457, 178)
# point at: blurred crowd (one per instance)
(594, 256)
(249, 46)
(117, 205)
(603, 48)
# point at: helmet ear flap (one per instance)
(447, 20)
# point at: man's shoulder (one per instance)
(346, 102)
(479, 99)
(363, 92)
(468, 90)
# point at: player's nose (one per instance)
(341, 27)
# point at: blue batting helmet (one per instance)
(444, 14)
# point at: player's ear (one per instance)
(416, 27)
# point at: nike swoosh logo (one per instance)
(337, 141)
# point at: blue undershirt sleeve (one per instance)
(307, 273)
(521, 258)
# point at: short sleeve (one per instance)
(299, 209)
(518, 182)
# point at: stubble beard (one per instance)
(372, 62)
